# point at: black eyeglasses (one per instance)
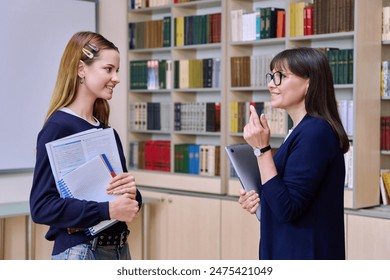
(275, 77)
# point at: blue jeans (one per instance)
(85, 252)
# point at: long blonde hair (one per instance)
(83, 46)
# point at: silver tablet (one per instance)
(245, 165)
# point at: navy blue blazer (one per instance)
(302, 208)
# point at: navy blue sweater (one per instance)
(46, 205)
(302, 207)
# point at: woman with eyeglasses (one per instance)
(302, 191)
(87, 76)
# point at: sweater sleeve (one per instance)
(301, 172)
(46, 205)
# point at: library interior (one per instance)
(189, 71)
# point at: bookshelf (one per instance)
(364, 41)
(187, 53)
(362, 189)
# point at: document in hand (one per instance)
(89, 182)
(68, 153)
(245, 164)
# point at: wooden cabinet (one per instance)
(368, 237)
(240, 233)
(180, 226)
(183, 227)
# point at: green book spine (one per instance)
(176, 73)
(350, 66)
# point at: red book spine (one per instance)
(382, 127)
(280, 24)
(166, 156)
(308, 20)
(148, 155)
(217, 23)
(217, 116)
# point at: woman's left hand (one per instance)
(123, 183)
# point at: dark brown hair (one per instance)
(320, 100)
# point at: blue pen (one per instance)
(105, 160)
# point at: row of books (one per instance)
(341, 64)
(321, 16)
(345, 108)
(188, 158)
(385, 79)
(386, 23)
(197, 73)
(151, 74)
(385, 133)
(150, 116)
(193, 158)
(150, 34)
(301, 19)
(278, 119)
(249, 71)
(263, 23)
(189, 73)
(139, 4)
(205, 117)
(197, 116)
(150, 155)
(246, 71)
(197, 159)
(198, 29)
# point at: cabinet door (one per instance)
(367, 238)
(193, 228)
(14, 245)
(181, 227)
(135, 239)
(155, 239)
(240, 233)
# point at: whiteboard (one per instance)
(33, 35)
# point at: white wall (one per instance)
(15, 187)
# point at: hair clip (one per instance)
(88, 53)
(93, 47)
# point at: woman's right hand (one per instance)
(124, 208)
(249, 200)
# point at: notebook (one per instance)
(245, 165)
(89, 182)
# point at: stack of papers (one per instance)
(82, 166)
